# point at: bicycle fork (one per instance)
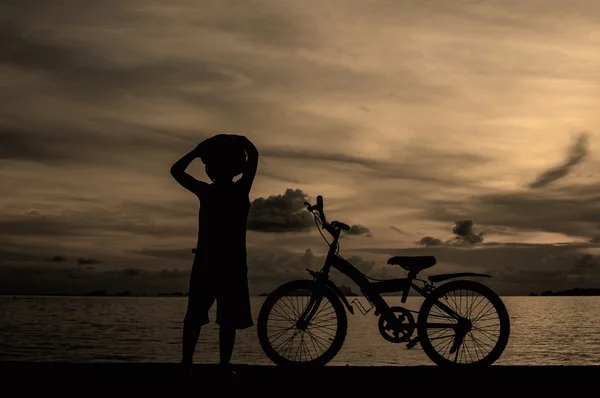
(309, 312)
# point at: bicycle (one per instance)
(396, 324)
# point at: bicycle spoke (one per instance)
(482, 343)
(281, 333)
(474, 345)
(286, 317)
(316, 339)
(443, 338)
(473, 306)
(485, 323)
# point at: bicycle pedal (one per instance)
(412, 343)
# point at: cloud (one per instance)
(574, 210)
(516, 268)
(586, 264)
(99, 100)
(280, 213)
(576, 154)
(36, 278)
(429, 241)
(268, 268)
(87, 75)
(87, 261)
(56, 259)
(174, 254)
(464, 236)
(397, 230)
(95, 222)
(132, 271)
(358, 230)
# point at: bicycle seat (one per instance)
(413, 263)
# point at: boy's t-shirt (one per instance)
(223, 217)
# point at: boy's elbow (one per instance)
(175, 172)
(253, 153)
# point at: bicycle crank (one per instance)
(402, 331)
(412, 342)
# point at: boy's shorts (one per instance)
(231, 293)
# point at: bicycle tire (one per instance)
(442, 291)
(266, 311)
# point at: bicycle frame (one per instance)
(371, 290)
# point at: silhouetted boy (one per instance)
(219, 271)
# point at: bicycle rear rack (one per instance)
(361, 307)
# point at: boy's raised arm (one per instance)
(182, 177)
(249, 173)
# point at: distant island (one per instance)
(571, 292)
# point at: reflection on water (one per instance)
(544, 331)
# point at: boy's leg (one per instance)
(191, 333)
(233, 312)
(226, 343)
(200, 300)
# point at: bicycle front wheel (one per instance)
(316, 344)
(485, 312)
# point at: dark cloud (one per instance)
(268, 268)
(576, 154)
(359, 230)
(16, 253)
(132, 271)
(516, 269)
(573, 210)
(281, 213)
(429, 241)
(464, 234)
(57, 259)
(397, 230)
(87, 261)
(121, 220)
(585, 264)
(88, 74)
(176, 254)
(36, 278)
(174, 273)
(411, 167)
(275, 267)
(53, 144)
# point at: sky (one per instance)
(465, 130)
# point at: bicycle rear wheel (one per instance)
(490, 325)
(287, 345)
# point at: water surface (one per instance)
(544, 331)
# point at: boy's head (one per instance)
(225, 168)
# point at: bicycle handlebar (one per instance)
(319, 208)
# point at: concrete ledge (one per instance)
(397, 380)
